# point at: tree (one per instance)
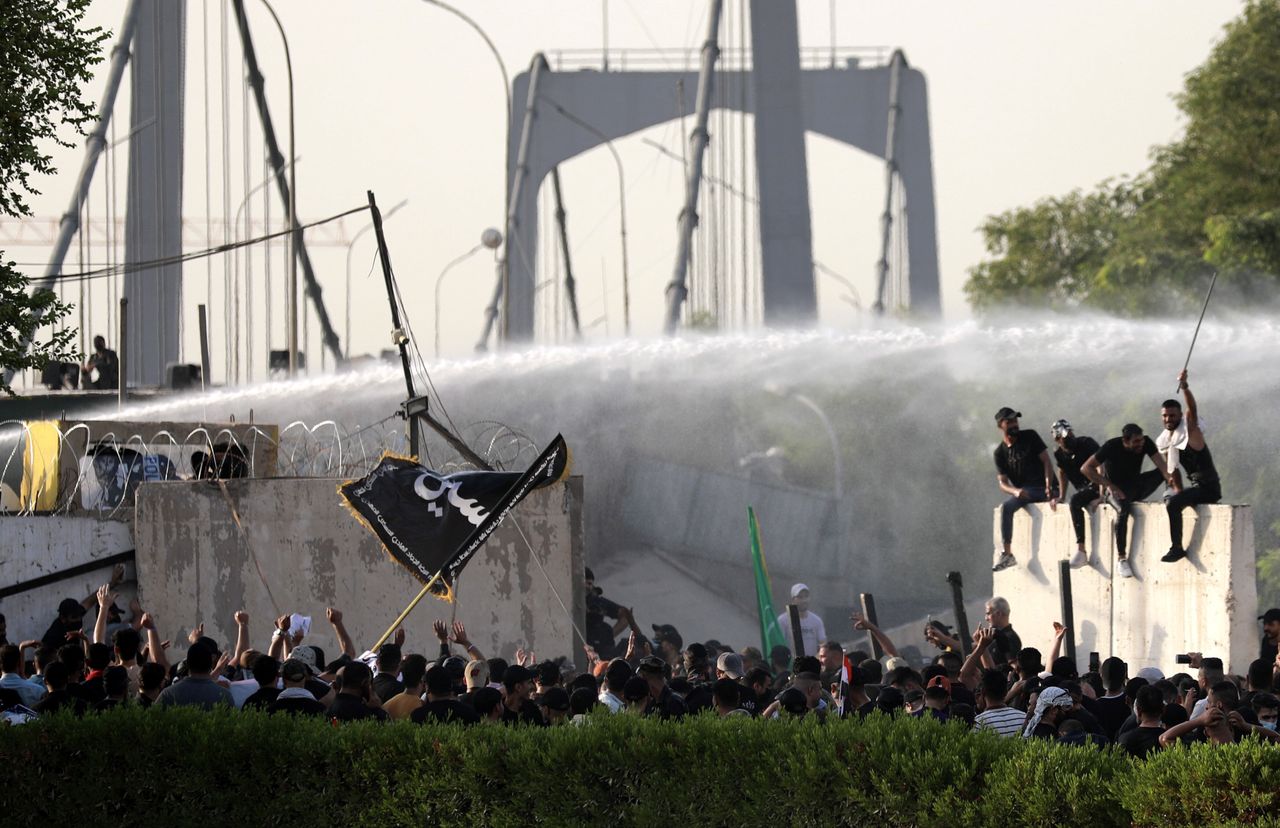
(1207, 202)
(46, 57)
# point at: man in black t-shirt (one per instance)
(1071, 454)
(1125, 481)
(1024, 472)
(441, 705)
(1183, 442)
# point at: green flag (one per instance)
(770, 633)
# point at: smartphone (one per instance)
(1182, 658)
(1095, 662)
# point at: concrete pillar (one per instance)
(790, 295)
(153, 224)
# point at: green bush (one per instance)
(141, 767)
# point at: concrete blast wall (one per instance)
(35, 546)
(195, 566)
(1205, 603)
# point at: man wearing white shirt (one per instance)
(812, 631)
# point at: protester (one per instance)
(518, 703)
(1024, 472)
(1143, 739)
(1182, 441)
(665, 702)
(996, 715)
(198, 689)
(441, 706)
(266, 670)
(1071, 455)
(356, 700)
(812, 630)
(294, 697)
(1125, 482)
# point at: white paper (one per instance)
(299, 623)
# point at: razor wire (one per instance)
(96, 469)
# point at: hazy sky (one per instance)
(397, 96)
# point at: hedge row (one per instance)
(139, 767)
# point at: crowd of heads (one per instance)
(992, 683)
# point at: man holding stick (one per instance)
(1183, 442)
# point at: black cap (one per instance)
(1270, 615)
(666, 632)
(70, 606)
(1007, 413)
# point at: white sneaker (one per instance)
(1006, 561)
(1079, 559)
(1122, 566)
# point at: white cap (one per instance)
(796, 589)
(1151, 674)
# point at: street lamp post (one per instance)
(838, 464)
(351, 247)
(491, 238)
(293, 206)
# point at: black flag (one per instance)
(433, 524)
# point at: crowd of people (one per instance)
(992, 683)
(1109, 473)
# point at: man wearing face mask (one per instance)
(1071, 454)
(1267, 708)
(1024, 472)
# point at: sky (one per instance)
(1027, 100)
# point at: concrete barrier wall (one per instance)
(194, 566)
(37, 545)
(1205, 603)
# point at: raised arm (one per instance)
(242, 636)
(155, 647)
(279, 639)
(1059, 633)
(105, 598)
(1171, 736)
(860, 623)
(1195, 437)
(345, 643)
(460, 638)
(970, 671)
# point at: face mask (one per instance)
(1268, 725)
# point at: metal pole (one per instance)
(698, 139)
(95, 142)
(440, 281)
(797, 640)
(397, 332)
(286, 185)
(570, 287)
(351, 247)
(205, 379)
(122, 386)
(837, 463)
(869, 613)
(1196, 335)
(1068, 609)
(890, 170)
(962, 620)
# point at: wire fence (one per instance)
(96, 468)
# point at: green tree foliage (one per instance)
(1150, 245)
(46, 57)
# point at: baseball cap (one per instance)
(940, 681)
(796, 589)
(70, 606)
(1270, 615)
(307, 657)
(652, 664)
(666, 632)
(477, 674)
(730, 664)
(1060, 428)
(1007, 413)
(293, 670)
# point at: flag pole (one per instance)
(417, 599)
